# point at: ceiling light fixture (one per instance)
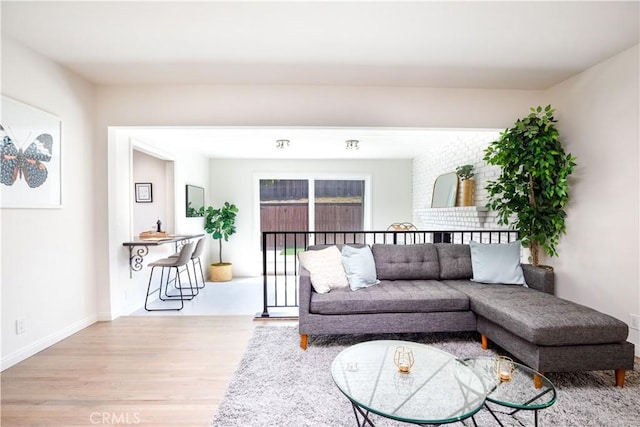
(282, 143)
(352, 144)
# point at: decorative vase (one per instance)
(220, 272)
(468, 192)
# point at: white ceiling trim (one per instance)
(305, 142)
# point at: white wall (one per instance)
(235, 181)
(598, 115)
(192, 169)
(239, 105)
(150, 169)
(48, 255)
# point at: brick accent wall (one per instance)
(445, 156)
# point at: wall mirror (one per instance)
(195, 201)
(445, 190)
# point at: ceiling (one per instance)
(474, 44)
(508, 45)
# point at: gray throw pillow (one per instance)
(359, 266)
(497, 263)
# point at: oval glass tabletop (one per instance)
(439, 388)
(527, 388)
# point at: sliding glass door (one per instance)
(310, 205)
(338, 206)
(284, 206)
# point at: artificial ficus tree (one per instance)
(532, 190)
(220, 223)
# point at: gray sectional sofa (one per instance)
(427, 288)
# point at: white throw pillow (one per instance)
(359, 266)
(497, 263)
(325, 267)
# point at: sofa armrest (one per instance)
(539, 278)
(304, 291)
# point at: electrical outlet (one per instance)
(635, 322)
(20, 325)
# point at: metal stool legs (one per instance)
(172, 263)
(159, 290)
(177, 285)
(194, 262)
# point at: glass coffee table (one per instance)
(439, 389)
(527, 390)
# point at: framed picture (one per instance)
(30, 157)
(143, 192)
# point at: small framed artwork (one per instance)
(30, 160)
(143, 192)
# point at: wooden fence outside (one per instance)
(295, 217)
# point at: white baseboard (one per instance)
(33, 348)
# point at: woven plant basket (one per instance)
(220, 272)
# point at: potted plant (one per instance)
(532, 190)
(220, 224)
(465, 173)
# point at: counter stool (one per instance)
(195, 259)
(171, 263)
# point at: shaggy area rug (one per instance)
(277, 384)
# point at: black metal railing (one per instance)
(280, 249)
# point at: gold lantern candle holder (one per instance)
(403, 358)
(504, 368)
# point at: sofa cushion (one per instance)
(455, 261)
(396, 296)
(541, 318)
(496, 263)
(406, 262)
(359, 267)
(325, 268)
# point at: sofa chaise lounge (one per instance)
(428, 288)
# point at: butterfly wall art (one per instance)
(16, 164)
(30, 164)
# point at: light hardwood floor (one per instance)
(145, 371)
(142, 371)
